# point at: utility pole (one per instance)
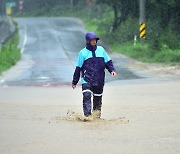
(142, 21)
(71, 4)
(90, 2)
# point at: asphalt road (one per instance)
(49, 48)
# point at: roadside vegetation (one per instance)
(117, 23)
(10, 53)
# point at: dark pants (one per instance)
(89, 90)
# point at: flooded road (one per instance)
(49, 48)
(41, 113)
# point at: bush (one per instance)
(127, 30)
(170, 39)
(10, 54)
(168, 56)
(158, 37)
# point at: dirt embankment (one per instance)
(154, 69)
(157, 68)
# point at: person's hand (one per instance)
(73, 86)
(113, 73)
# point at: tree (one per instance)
(166, 11)
(122, 9)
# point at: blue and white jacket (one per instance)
(91, 65)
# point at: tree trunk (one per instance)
(117, 19)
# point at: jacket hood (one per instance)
(91, 35)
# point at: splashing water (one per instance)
(94, 118)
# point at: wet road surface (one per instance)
(49, 48)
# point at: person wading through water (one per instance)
(91, 64)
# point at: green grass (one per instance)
(91, 25)
(144, 53)
(10, 53)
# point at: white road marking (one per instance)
(43, 78)
(25, 39)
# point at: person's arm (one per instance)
(77, 71)
(109, 64)
(76, 76)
